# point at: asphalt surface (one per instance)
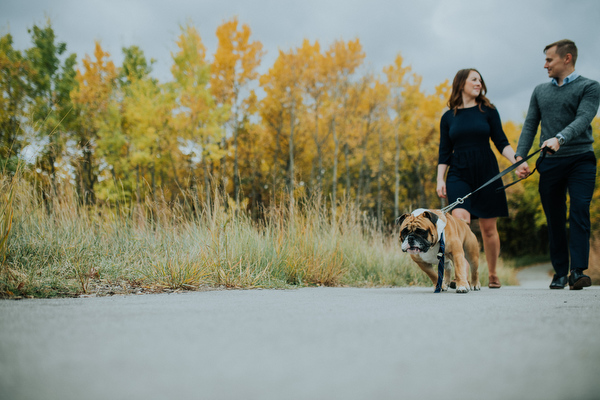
(525, 342)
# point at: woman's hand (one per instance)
(522, 170)
(441, 182)
(441, 189)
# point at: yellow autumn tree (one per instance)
(198, 119)
(233, 71)
(396, 80)
(315, 82)
(91, 98)
(281, 109)
(372, 113)
(341, 60)
(152, 149)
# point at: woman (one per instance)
(465, 153)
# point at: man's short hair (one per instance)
(564, 47)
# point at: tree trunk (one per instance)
(236, 171)
(90, 196)
(137, 184)
(397, 180)
(319, 153)
(291, 166)
(276, 157)
(335, 167)
(223, 191)
(379, 177)
(363, 165)
(206, 186)
(347, 157)
(153, 177)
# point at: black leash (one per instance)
(441, 259)
(461, 200)
(544, 151)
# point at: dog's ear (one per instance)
(401, 219)
(432, 216)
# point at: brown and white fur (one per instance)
(420, 232)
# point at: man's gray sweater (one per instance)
(568, 109)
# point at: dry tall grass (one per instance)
(62, 248)
(594, 266)
(7, 191)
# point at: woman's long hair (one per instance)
(459, 84)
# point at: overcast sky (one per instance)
(504, 39)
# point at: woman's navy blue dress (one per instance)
(465, 148)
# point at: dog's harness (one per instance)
(440, 225)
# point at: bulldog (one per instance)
(420, 233)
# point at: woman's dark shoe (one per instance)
(578, 280)
(559, 282)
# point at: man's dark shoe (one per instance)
(559, 282)
(578, 280)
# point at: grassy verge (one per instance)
(525, 261)
(594, 266)
(63, 249)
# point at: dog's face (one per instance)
(418, 233)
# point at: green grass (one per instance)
(524, 261)
(76, 250)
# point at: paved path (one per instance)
(524, 342)
(537, 276)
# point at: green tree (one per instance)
(51, 82)
(135, 66)
(152, 149)
(14, 70)
(130, 117)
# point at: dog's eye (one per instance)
(421, 232)
(404, 232)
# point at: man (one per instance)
(565, 107)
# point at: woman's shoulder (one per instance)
(449, 114)
(490, 110)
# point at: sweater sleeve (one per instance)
(496, 131)
(530, 127)
(446, 147)
(586, 111)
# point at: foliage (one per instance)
(91, 99)
(233, 71)
(14, 91)
(317, 126)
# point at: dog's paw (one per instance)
(476, 286)
(462, 289)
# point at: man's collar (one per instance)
(574, 75)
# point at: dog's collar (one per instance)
(440, 224)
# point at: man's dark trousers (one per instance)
(577, 176)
